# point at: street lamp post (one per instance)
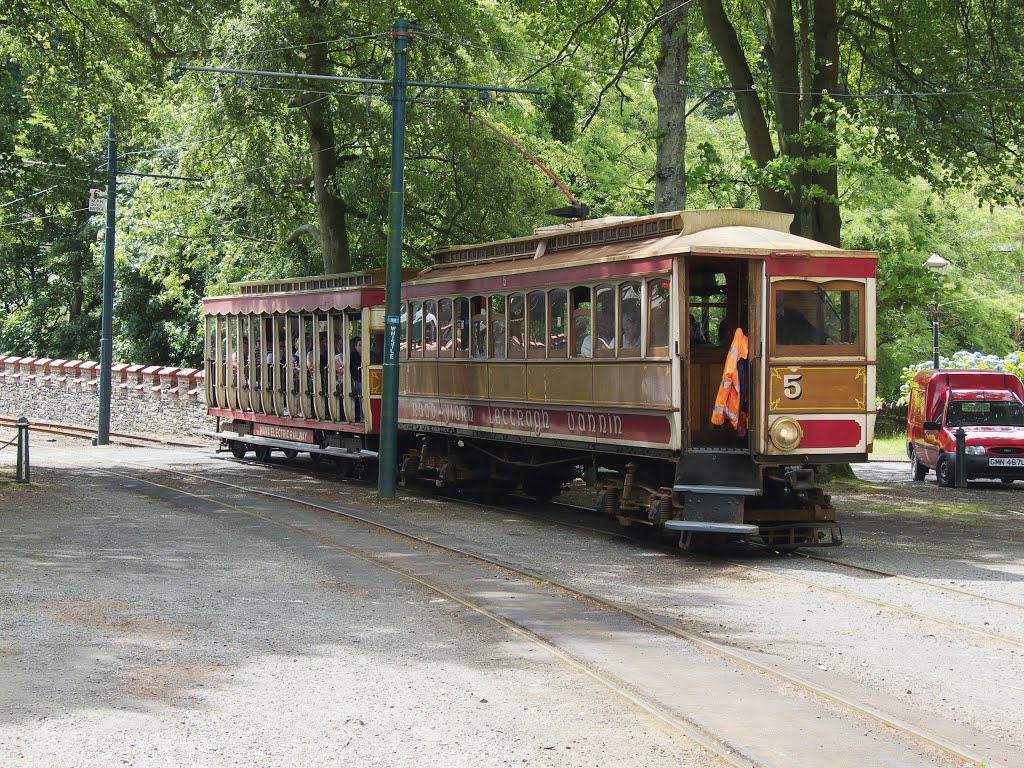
(938, 265)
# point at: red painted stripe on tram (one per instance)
(320, 301)
(797, 265)
(830, 433)
(541, 277)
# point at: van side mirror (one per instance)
(932, 425)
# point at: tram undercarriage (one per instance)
(775, 507)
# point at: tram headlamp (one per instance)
(786, 434)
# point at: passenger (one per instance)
(355, 367)
(630, 331)
(339, 365)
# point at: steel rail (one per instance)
(688, 729)
(863, 709)
(87, 433)
(992, 636)
(913, 579)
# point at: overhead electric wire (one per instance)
(26, 197)
(28, 219)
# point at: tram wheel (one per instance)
(1006, 480)
(290, 453)
(238, 449)
(343, 465)
(542, 487)
(262, 452)
(316, 457)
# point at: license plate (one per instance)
(1006, 462)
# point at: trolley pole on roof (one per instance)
(387, 458)
(107, 316)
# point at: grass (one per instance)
(890, 445)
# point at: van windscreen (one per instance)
(984, 413)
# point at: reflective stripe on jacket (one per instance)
(727, 404)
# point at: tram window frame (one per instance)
(462, 321)
(622, 350)
(605, 347)
(514, 353)
(403, 330)
(415, 332)
(536, 327)
(840, 349)
(498, 342)
(430, 340)
(581, 308)
(446, 329)
(660, 283)
(558, 343)
(478, 348)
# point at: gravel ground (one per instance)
(215, 688)
(945, 680)
(145, 633)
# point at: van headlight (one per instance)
(975, 450)
(786, 434)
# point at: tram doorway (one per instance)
(719, 301)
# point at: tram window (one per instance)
(558, 322)
(604, 319)
(516, 326)
(479, 327)
(416, 329)
(709, 308)
(430, 328)
(629, 333)
(403, 331)
(581, 313)
(446, 330)
(659, 314)
(462, 318)
(498, 326)
(536, 320)
(807, 315)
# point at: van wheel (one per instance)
(919, 469)
(944, 472)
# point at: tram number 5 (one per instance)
(791, 385)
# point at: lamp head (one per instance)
(936, 263)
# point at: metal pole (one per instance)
(388, 455)
(23, 475)
(960, 473)
(107, 316)
(935, 335)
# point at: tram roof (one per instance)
(724, 232)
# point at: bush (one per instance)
(1012, 363)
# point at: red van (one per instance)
(989, 405)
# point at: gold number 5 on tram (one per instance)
(699, 364)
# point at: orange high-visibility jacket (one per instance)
(727, 404)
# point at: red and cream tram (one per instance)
(596, 343)
(295, 365)
(602, 343)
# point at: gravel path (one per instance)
(143, 633)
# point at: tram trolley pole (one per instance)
(23, 470)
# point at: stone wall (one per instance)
(143, 400)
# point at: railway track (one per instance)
(732, 755)
(89, 433)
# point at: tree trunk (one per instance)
(316, 111)
(748, 103)
(670, 93)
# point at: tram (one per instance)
(295, 365)
(602, 344)
(593, 344)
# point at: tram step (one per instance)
(717, 472)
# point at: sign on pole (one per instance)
(97, 201)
